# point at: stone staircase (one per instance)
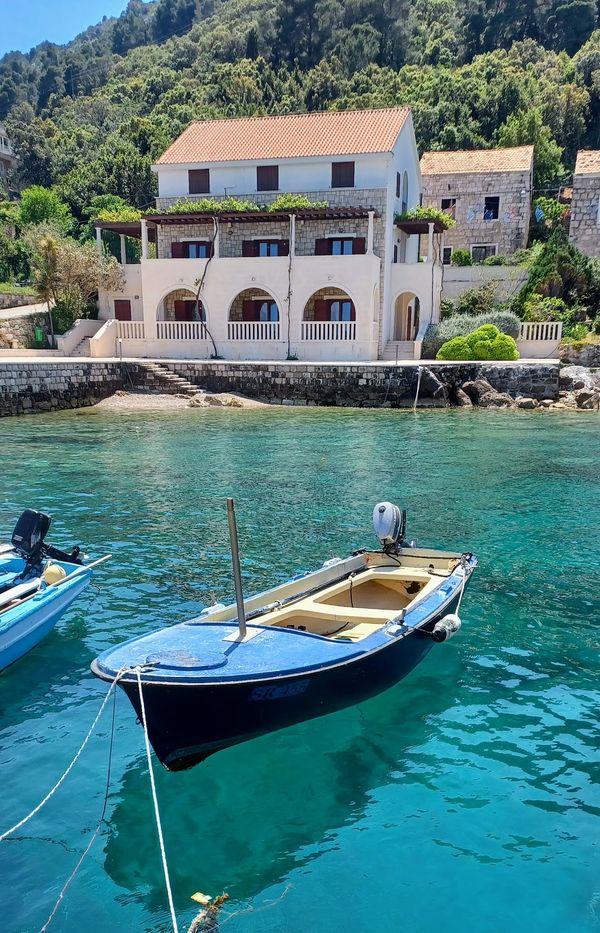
(82, 348)
(400, 349)
(159, 378)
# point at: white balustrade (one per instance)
(181, 330)
(253, 330)
(541, 330)
(328, 330)
(130, 330)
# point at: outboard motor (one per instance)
(389, 523)
(28, 536)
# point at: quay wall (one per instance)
(28, 386)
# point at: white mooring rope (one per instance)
(61, 779)
(156, 810)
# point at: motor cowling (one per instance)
(446, 628)
(389, 523)
(30, 531)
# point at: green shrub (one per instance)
(461, 257)
(494, 261)
(538, 308)
(211, 206)
(459, 325)
(484, 343)
(479, 300)
(292, 202)
(428, 215)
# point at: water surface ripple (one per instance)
(466, 798)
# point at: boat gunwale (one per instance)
(129, 677)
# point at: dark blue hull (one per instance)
(188, 722)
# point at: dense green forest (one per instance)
(89, 118)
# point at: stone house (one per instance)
(8, 159)
(584, 229)
(341, 280)
(488, 192)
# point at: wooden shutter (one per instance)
(181, 311)
(178, 250)
(322, 312)
(352, 311)
(358, 245)
(267, 177)
(322, 246)
(199, 181)
(249, 247)
(122, 309)
(342, 174)
(284, 247)
(250, 310)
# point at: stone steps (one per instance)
(161, 378)
(398, 349)
(82, 348)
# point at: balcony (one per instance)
(328, 330)
(253, 330)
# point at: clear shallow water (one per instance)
(466, 798)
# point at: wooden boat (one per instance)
(318, 643)
(38, 582)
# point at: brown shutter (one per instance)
(267, 177)
(248, 313)
(178, 250)
(358, 245)
(342, 174)
(322, 312)
(322, 246)
(181, 311)
(199, 181)
(284, 247)
(352, 312)
(122, 309)
(249, 247)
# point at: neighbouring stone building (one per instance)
(8, 159)
(488, 192)
(584, 229)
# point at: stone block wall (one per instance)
(509, 232)
(16, 300)
(18, 332)
(26, 388)
(584, 229)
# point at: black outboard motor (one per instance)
(28, 540)
(28, 536)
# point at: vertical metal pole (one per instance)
(235, 560)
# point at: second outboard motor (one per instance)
(389, 523)
(28, 536)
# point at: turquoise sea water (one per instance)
(464, 799)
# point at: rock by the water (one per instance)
(575, 377)
(495, 399)
(476, 388)
(526, 403)
(463, 400)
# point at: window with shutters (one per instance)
(482, 251)
(341, 247)
(268, 247)
(267, 178)
(199, 181)
(265, 247)
(342, 174)
(198, 249)
(447, 255)
(341, 310)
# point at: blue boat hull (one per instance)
(21, 631)
(188, 722)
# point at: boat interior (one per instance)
(353, 608)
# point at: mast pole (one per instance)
(235, 560)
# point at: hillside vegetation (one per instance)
(90, 117)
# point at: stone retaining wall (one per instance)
(27, 387)
(16, 300)
(20, 331)
(363, 385)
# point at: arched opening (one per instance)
(329, 314)
(181, 305)
(406, 316)
(253, 315)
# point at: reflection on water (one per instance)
(466, 797)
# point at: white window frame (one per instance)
(493, 246)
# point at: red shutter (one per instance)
(181, 312)
(284, 247)
(322, 312)
(358, 244)
(178, 250)
(322, 247)
(122, 309)
(249, 247)
(249, 311)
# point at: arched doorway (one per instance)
(253, 315)
(329, 314)
(406, 316)
(180, 305)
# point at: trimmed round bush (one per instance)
(484, 343)
(461, 257)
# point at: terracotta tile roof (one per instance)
(588, 162)
(289, 136)
(469, 161)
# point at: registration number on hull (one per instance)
(274, 692)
